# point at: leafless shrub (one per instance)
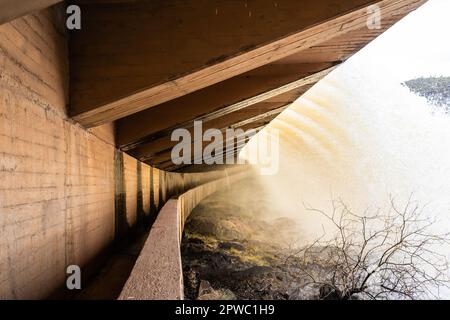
(376, 255)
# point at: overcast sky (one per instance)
(418, 45)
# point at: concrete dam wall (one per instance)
(66, 193)
(88, 115)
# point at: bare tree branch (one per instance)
(376, 255)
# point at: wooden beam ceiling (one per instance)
(12, 9)
(158, 66)
(216, 101)
(155, 154)
(165, 162)
(145, 138)
(135, 55)
(164, 144)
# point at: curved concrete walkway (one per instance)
(158, 273)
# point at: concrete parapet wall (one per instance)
(158, 273)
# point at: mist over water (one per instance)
(362, 137)
(354, 139)
(363, 140)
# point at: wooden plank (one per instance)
(245, 103)
(164, 143)
(189, 107)
(224, 152)
(104, 98)
(12, 9)
(271, 113)
(168, 165)
(135, 129)
(337, 49)
(163, 157)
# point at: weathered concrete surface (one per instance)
(62, 194)
(56, 179)
(158, 273)
(108, 283)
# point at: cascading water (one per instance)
(351, 138)
(358, 136)
(362, 137)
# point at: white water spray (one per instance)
(362, 137)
